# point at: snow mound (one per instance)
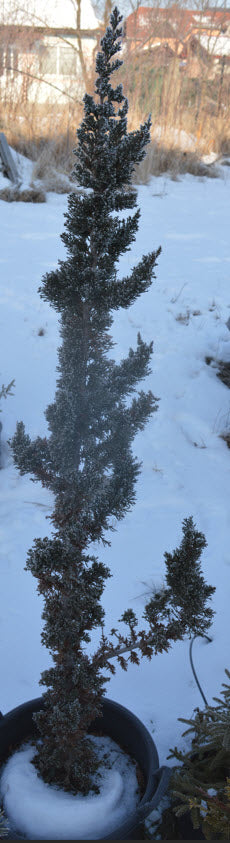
(24, 167)
(46, 812)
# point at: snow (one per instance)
(64, 816)
(185, 461)
(24, 170)
(216, 45)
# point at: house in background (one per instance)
(47, 49)
(195, 38)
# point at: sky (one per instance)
(124, 6)
(127, 6)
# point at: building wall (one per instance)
(43, 39)
(52, 73)
(40, 64)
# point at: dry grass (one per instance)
(14, 194)
(55, 169)
(226, 438)
(190, 119)
(52, 149)
(29, 127)
(52, 180)
(183, 318)
(46, 137)
(222, 368)
(191, 100)
(56, 182)
(190, 116)
(223, 373)
(169, 158)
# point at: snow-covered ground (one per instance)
(186, 465)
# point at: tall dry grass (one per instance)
(190, 114)
(29, 127)
(190, 119)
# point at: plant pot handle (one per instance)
(163, 775)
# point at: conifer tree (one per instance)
(202, 783)
(87, 460)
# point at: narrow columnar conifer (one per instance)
(87, 460)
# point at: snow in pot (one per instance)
(45, 812)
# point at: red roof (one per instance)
(173, 21)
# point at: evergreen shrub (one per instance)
(5, 390)
(87, 460)
(202, 783)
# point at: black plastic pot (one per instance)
(118, 723)
(186, 829)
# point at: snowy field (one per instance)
(186, 465)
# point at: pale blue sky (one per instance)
(127, 6)
(124, 6)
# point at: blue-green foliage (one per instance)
(87, 460)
